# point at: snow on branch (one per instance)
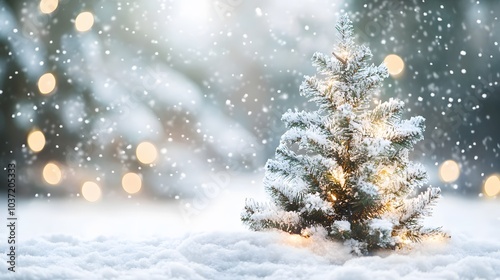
(408, 132)
(415, 176)
(342, 60)
(387, 111)
(324, 64)
(302, 119)
(419, 206)
(306, 137)
(315, 92)
(262, 216)
(345, 33)
(293, 189)
(313, 202)
(371, 76)
(361, 57)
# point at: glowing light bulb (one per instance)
(492, 185)
(384, 171)
(84, 21)
(47, 83)
(52, 173)
(333, 197)
(36, 141)
(48, 6)
(395, 64)
(295, 239)
(449, 171)
(146, 152)
(91, 191)
(131, 183)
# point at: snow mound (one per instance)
(248, 255)
(148, 241)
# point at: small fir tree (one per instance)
(343, 170)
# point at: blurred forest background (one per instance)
(167, 99)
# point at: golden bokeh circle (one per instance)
(491, 186)
(91, 191)
(48, 6)
(395, 64)
(36, 141)
(84, 21)
(47, 83)
(131, 182)
(146, 152)
(449, 171)
(52, 173)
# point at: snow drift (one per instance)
(232, 252)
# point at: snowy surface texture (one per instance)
(227, 251)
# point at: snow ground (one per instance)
(73, 240)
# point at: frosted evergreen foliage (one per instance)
(343, 170)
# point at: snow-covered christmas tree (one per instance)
(343, 170)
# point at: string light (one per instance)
(386, 177)
(385, 172)
(295, 239)
(333, 197)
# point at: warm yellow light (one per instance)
(405, 240)
(295, 238)
(36, 140)
(436, 239)
(333, 197)
(449, 171)
(146, 152)
(386, 176)
(91, 191)
(131, 182)
(84, 21)
(52, 173)
(48, 6)
(395, 64)
(298, 240)
(492, 185)
(385, 172)
(47, 83)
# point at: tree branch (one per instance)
(339, 58)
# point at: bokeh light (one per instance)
(298, 240)
(36, 140)
(47, 83)
(91, 191)
(146, 152)
(131, 183)
(449, 171)
(48, 6)
(84, 21)
(492, 185)
(52, 173)
(395, 64)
